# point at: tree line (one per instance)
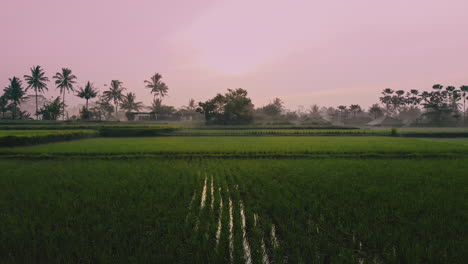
(105, 108)
(442, 106)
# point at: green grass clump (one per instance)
(149, 211)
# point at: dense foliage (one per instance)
(232, 108)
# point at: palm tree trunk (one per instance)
(86, 104)
(63, 114)
(464, 108)
(116, 110)
(37, 116)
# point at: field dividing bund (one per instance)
(11, 138)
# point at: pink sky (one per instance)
(303, 51)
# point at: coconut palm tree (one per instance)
(343, 109)
(36, 81)
(87, 93)
(115, 94)
(355, 108)
(129, 103)
(15, 93)
(375, 111)
(158, 88)
(65, 81)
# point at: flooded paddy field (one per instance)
(209, 210)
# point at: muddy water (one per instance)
(274, 238)
(218, 230)
(231, 232)
(265, 258)
(212, 193)
(245, 243)
(203, 198)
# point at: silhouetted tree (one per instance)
(355, 109)
(274, 108)
(375, 111)
(53, 110)
(234, 107)
(36, 81)
(464, 92)
(441, 105)
(158, 88)
(115, 94)
(15, 93)
(103, 108)
(3, 105)
(87, 93)
(343, 112)
(65, 81)
(129, 104)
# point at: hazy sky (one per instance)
(327, 52)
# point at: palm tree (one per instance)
(343, 110)
(65, 81)
(375, 110)
(87, 93)
(158, 88)
(36, 81)
(15, 93)
(464, 90)
(355, 108)
(115, 94)
(191, 105)
(129, 104)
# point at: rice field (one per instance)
(350, 147)
(234, 211)
(242, 198)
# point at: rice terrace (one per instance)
(233, 132)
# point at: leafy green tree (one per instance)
(37, 81)
(158, 88)
(15, 93)
(87, 93)
(115, 93)
(65, 81)
(53, 110)
(274, 108)
(232, 108)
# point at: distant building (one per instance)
(28, 104)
